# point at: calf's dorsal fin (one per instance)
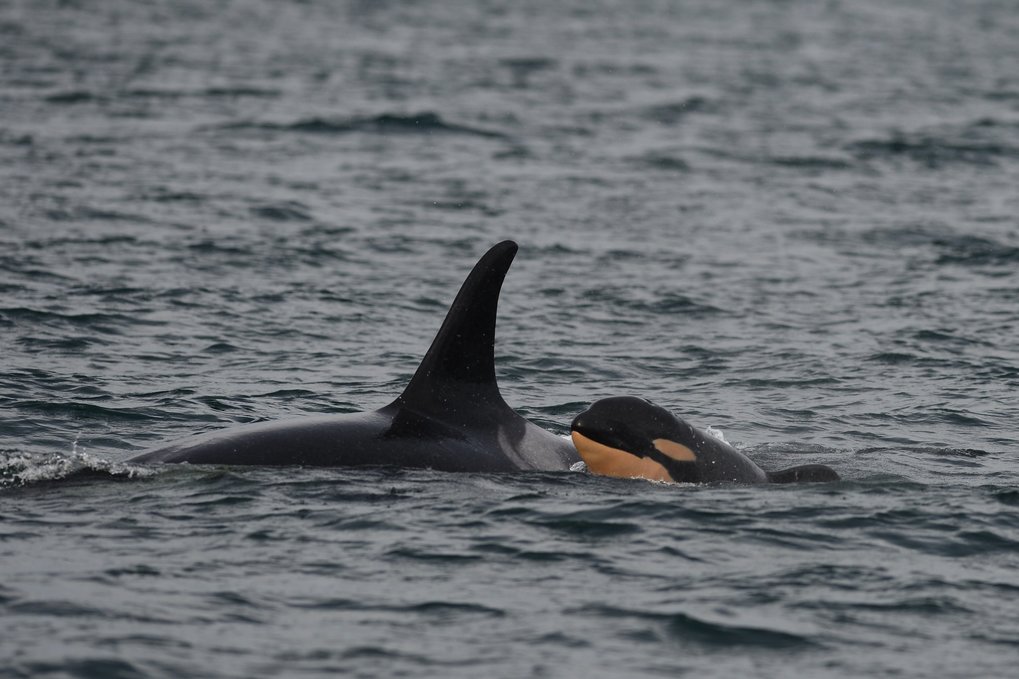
(808, 473)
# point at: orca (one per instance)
(450, 417)
(630, 437)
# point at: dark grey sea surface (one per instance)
(794, 221)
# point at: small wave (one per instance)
(105, 240)
(524, 66)
(453, 609)
(925, 605)
(927, 538)
(933, 151)
(209, 246)
(112, 668)
(976, 251)
(167, 196)
(672, 113)
(74, 97)
(386, 123)
(432, 556)
(707, 634)
(1007, 497)
(289, 211)
(86, 213)
(811, 162)
(88, 411)
(39, 315)
(70, 97)
(589, 524)
(674, 303)
(12, 139)
(894, 358)
(668, 163)
(663, 302)
(238, 91)
(713, 634)
(933, 451)
(220, 348)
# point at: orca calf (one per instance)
(451, 416)
(629, 437)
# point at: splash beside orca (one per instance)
(451, 416)
(630, 437)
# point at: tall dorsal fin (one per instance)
(462, 355)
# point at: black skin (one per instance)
(633, 424)
(451, 416)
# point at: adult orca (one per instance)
(630, 437)
(451, 416)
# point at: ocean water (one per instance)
(793, 221)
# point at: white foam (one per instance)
(716, 433)
(25, 468)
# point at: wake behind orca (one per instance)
(450, 417)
